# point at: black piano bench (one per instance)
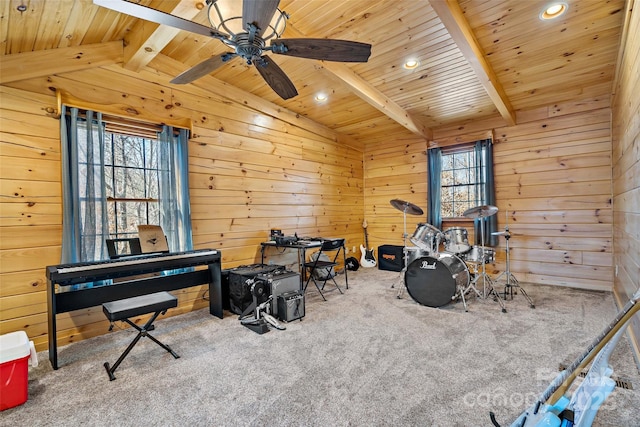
(157, 303)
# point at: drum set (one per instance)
(435, 277)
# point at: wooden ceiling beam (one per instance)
(147, 39)
(377, 99)
(451, 15)
(370, 94)
(27, 65)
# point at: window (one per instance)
(131, 178)
(461, 178)
(118, 176)
(460, 182)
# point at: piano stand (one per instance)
(157, 303)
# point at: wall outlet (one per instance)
(353, 249)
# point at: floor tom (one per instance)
(476, 255)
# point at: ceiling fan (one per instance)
(246, 33)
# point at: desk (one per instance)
(301, 246)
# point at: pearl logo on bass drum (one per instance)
(426, 266)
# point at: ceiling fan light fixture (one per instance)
(553, 10)
(411, 64)
(225, 16)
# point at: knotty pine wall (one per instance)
(553, 180)
(626, 172)
(249, 172)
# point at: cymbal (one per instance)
(407, 207)
(480, 211)
(500, 233)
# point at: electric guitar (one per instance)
(554, 408)
(367, 259)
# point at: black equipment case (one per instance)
(390, 257)
(239, 290)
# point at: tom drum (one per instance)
(456, 240)
(426, 237)
(433, 280)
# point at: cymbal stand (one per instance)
(485, 277)
(404, 255)
(510, 280)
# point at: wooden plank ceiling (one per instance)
(478, 58)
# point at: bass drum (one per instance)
(433, 280)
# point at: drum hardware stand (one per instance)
(510, 280)
(470, 287)
(405, 207)
(482, 212)
(462, 291)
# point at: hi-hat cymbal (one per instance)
(407, 207)
(480, 211)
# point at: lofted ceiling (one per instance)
(479, 59)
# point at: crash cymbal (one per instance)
(480, 211)
(407, 207)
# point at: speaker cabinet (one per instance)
(281, 282)
(291, 306)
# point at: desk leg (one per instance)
(301, 266)
(344, 258)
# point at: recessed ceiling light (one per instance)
(321, 97)
(410, 64)
(553, 10)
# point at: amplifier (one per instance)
(281, 281)
(291, 306)
(239, 290)
(390, 257)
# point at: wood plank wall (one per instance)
(249, 172)
(626, 171)
(553, 179)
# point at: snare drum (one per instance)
(475, 255)
(456, 240)
(427, 237)
(414, 253)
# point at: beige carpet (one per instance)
(365, 358)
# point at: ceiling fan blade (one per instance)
(275, 77)
(153, 15)
(323, 49)
(259, 13)
(202, 69)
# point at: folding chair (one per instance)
(320, 268)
